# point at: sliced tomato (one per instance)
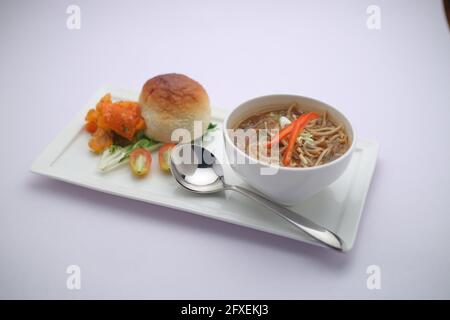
(140, 161)
(164, 156)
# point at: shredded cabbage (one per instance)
(305, 136)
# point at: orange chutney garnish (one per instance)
(122, 117)
(101, 140)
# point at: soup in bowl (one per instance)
(288, 147)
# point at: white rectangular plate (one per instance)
(338, 207)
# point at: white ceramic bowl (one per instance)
(287, 185)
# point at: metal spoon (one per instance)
(198, 170)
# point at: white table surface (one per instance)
(394, 83)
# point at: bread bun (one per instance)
(172, 101)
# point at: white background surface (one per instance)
(393, 84)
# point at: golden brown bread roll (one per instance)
(172, 101)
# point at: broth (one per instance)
(319, 139)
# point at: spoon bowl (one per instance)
(196, 169)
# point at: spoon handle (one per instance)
(312, 229)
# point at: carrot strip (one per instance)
(299, 125)
(286, 130)
(290, 147)
(280, 135)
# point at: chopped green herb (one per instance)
(211, 127)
